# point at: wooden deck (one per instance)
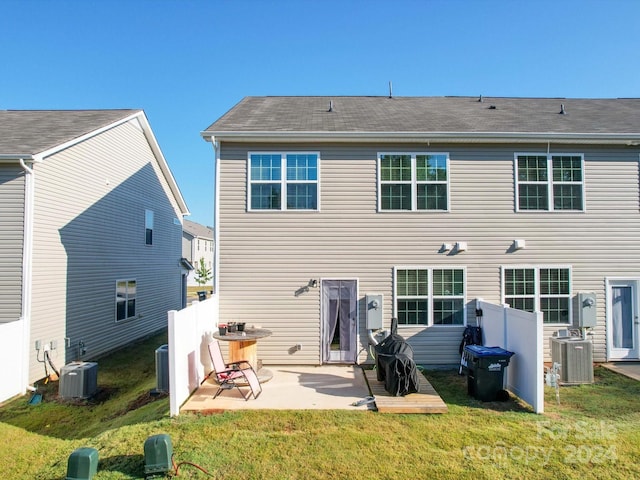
(426, 400)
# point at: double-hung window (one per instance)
(542, 289)
(148, 227)
(429, 296)
(553, 182)
(413, 181)
(283, 181)
(125, 299)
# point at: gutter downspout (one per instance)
(216, 222)
(27, 273)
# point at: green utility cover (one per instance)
(82, 464)
(157, 454)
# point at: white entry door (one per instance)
(339, 312)
(624, 325)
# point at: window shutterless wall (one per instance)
(349, 237)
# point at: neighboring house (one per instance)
(90, 234)
(430, 202)
(197, 243)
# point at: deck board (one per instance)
(426, 400)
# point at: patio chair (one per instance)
(235, 374)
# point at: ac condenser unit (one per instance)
(78, 380)
(162, 368)
(575, 357)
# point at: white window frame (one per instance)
(549, 182)
(283, 181)
(126, 300)
(148, 225)
(430, 296)
(414, 182)
(537, 296)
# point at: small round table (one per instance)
(244, 346)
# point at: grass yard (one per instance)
(593, 433)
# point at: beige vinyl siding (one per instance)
(266, 256)
(11, 240)
(89, 232)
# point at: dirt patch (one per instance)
(102, 395)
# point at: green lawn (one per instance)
(593, 433)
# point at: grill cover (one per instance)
(395, 366)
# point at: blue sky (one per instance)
(186, 62)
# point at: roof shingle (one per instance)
(29, 132)
(430, 115)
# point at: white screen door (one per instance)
(339, 321)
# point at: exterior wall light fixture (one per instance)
(519, 244)
(461, 247)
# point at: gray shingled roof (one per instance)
(29, 132)
(197, 229)
(429, 115)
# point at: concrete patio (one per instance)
(329, 387)
(629, 369)
(291, 388)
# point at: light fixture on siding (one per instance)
(461, 247)
(519, 244)
(312, 283)
(446, 247)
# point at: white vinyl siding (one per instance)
(348, 238)
(12, 201)
(88, 229)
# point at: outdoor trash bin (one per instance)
(202, 295)
(485, 371)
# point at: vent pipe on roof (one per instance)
(390, 89)
(480, 99)
(562, 110)
(330, 105)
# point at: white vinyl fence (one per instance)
(519, 332)
(190, 332)
(14, 338)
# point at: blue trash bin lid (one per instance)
(480, 351)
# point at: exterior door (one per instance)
(624, 325)
(339, 311)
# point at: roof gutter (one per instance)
(626, 139)
(12, 157)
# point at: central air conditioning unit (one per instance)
(575, 356)
(162, 368)
(78, 380)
